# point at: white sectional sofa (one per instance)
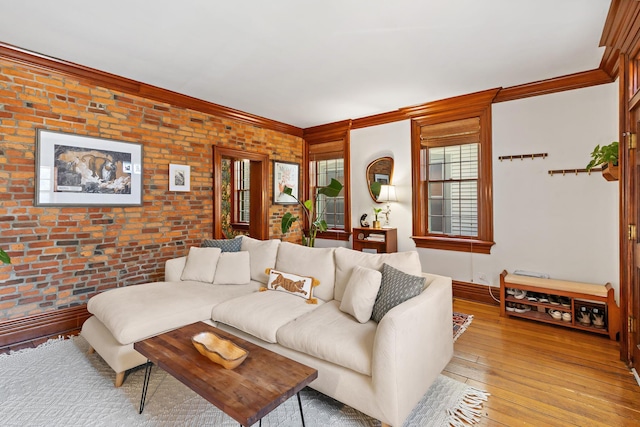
(381, 368)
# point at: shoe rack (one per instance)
(576, 305)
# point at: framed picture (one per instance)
(74, 170)
(382, 178)
(179, 178)
(285, 175)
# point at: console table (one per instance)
(380, 240)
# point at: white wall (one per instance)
(566, 226)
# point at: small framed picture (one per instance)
(382, 178)
(179, 177)
(285, 175)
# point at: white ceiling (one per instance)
(306, 62)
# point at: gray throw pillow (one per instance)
(225, 245)
(396, 287)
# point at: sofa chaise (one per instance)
(329, 308)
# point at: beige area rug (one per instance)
(58, 384)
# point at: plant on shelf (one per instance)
(314, 217)
(376, 218)
(4, 257)
(607, 156)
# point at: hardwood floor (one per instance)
(543, 375)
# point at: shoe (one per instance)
(556, 314)
(543, 298)
(532, 298)
(519, 294)
(583, 316)
(511, 291)
(565, 302)
(554, 300)
(597, 317)
(522, 308)
(511, 306)
(566, 316)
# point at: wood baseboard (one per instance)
(58, 322)
(475, 292)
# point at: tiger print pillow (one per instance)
(301, 286)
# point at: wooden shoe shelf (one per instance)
(579, 295)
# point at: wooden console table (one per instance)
(578, 294)
(382, 240)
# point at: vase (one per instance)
(376, 224)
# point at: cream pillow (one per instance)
(360, 293)
(201, 264)
(234, 268)
(263, 255)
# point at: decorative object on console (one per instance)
(607, 156)
(285, 175)
(379, 172)
(309, 207)
(387, 195)
(179, 177)
(300, 286)
(376, 220)
(74, 170)
(363, 221)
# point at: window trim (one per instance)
(322, 134)
(463, 107)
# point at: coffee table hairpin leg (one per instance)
(147, 375)
(299, 405)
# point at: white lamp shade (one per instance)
(387, 193)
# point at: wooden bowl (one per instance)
(219, 350)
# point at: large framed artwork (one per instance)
(74, 170)
(285, 175)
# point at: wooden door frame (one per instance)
(259, 218)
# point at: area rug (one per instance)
(58, 384)
(461, 322)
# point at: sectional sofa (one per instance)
(376, 349)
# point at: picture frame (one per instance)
(285, 174)
(382, 178)
(77, 170)
(179, 177)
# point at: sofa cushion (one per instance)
(306, 261)
(263, 255)
(233, 269)
(346, 259)
(137, 312)
(300, 286)
(226, 245)
(396, 287)
(329, 334)
(361, 293)
(201, 264)
(261, 314)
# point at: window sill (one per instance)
(454, 244)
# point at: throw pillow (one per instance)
(263, 255)
(201, 264)
(396, 287)
(301, 286)
(360, 293)
(233, 269)
(226, 245)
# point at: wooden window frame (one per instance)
(235, 211)
(463, 107)
(337, 133)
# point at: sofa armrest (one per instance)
(413, 344)
(173, 269)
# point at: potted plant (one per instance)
(315, 218)
(607, 156)
(4, 257)
(376, 219)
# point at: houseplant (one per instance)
(314, 217)
(4, 257)
(607, 156)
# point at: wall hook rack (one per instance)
(576, 171)
(523, 156)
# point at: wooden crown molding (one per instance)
(621, 33)
(132, 87)
(335, 130)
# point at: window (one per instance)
(241, 190)
(452, 179)
(327, 154)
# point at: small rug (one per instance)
(58, 384)
(461, 322)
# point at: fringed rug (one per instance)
(58, 384)
(461, 322)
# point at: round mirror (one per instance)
(379, 172)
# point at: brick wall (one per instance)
(62, 256)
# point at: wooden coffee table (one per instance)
(247, 393)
